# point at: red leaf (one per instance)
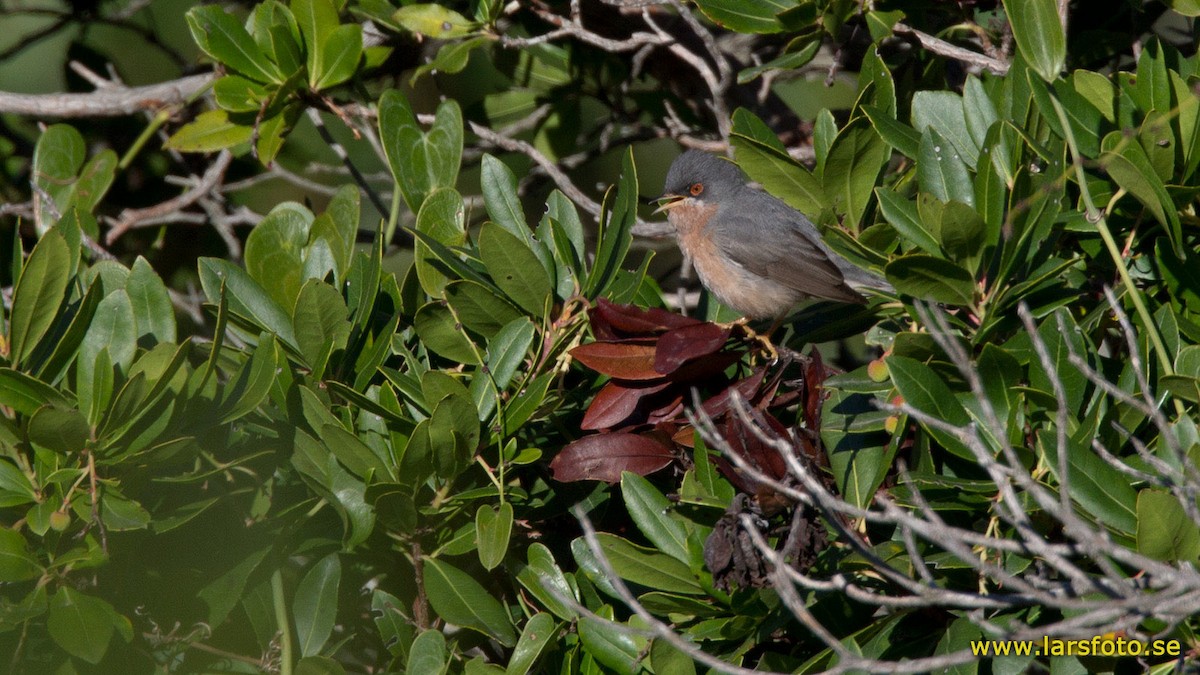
(605, 456)
(748, 388)
(610, 321)
(681, 345)
(815, 374)
(616, 404)
(707, 369)
(622, 360)
(760, 454)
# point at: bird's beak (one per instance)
(668, 201)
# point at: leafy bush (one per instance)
(499, 452)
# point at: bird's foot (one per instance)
(762, 341)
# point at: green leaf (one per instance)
(225, 39)
(461, 600)
(515, 268)
(745, 16)
(94, 180)
(238, 94)
(433, 20)
(338, 228)
(650, 511)
(508, 350)
(1102, 490)
(81, 624)
(1127, 164)
(543, 578)
(493, 525)
(274, 249)
(902, 214)
(438, 330)
(420, 162)
(924, 390)
(57, 159)
(62, 430)
(440, 218)
(610, 645)
(499, 186)
(316, 19)
(790, 60)
(322, 325)
(900, 136)
(25, 394)
(943, 112)
(315, 604)
(942, 171)
(38, 293)
(849, 173)
(615, 229)
(210, 131)
(479, 307)
(252, 383)
(339, 56)
(318, 665)
(428, 653)
(451, 58)
(537, 634)
(1164, 531)
(937, 279)
(16, 562)
(278, 35)
(245, 296)
(152, 309)
(779, 174)
(1039, 35)
(645, 566)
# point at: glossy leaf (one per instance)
(650, 510)
(606, 456)
(315, 604)
(340, 54)
(225, 39)
(460, 599)
(745, 16)
(420, 162)
(246, 297)
(499, 186)
(81, 624)
(515, 268)
(937, 279)
(37, 295)
(1164, 531)
(212, 130)
(625, 361)
(924, 390)
(152, 309)
(1039, 35)
(493, 525)
(535, 637)
(440, 218)
(16, 562)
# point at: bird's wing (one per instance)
(789, 252)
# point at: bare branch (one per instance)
(112, 101)
(942, 48)
(131, 218)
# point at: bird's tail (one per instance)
(860, 280)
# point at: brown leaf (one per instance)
(681, 345)
(611, 321)
(617, 404)
(744, 441)
(622, 360)
(709, 370)
(815, 374)
(605, 456)
(747, 387)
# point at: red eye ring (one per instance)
(697, 189)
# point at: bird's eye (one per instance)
(697, 189)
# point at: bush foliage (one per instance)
(306, 453)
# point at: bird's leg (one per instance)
(763, 339)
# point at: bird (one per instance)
(757, 255)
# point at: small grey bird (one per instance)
(758, 255)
